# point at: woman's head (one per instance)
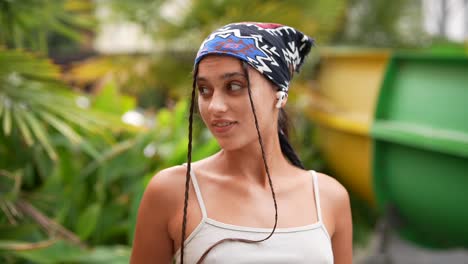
(272, 51)
(223, 100)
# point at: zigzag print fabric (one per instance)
(274, 50)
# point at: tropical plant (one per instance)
(40, 125)
(55, 206)
(195, 19)
(380, 23)
(28, 24)
(31, 95)
(154, 79)
(71, 178)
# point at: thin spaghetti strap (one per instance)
(198, 193)
(317, 196)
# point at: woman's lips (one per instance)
(222, 126)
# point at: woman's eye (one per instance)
(235, 86)
(203, 90)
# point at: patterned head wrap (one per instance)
(274, 50)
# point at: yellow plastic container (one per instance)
(342, 106)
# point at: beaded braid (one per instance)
(283, 135)
(245, 68)
(189, 167)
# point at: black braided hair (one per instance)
(189, 166)
(283, 134)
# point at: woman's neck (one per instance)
(247, 163)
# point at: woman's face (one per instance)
(224, 104)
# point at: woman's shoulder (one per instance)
(160, 202)
(333, 191)
(172, 180)
(167, 184)
(335, 204)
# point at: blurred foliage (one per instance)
(109, 100)
(381, 23)
(43, 131)
(316, 18)
(180, 26)
(30, 96)
(71, 178)
(154, 79)
(61, 252)
(28, 24)
(53, 209)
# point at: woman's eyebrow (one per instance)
(232, 74)
(224, 76)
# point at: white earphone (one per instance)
(281, 96)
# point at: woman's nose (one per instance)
(218, 103)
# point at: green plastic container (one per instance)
(420, 148)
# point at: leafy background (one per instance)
(72, 172)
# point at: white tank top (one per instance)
(292, 245)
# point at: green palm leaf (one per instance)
(28, 23)
(62, 127)
(25, 130)
(41, 135)
(33, 101)
(6, 118)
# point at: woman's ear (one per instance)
(282, 98)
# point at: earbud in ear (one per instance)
(281, 96)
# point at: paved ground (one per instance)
(403, 252)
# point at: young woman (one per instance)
(252, 202)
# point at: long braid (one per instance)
(189, 167)
(244, 66)
(283, 135)
(288, 151)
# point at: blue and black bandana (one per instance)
(274, 50)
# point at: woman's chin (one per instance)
(228, 146)
(236, 144)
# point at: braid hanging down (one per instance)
(283, 135)
(189, 166)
